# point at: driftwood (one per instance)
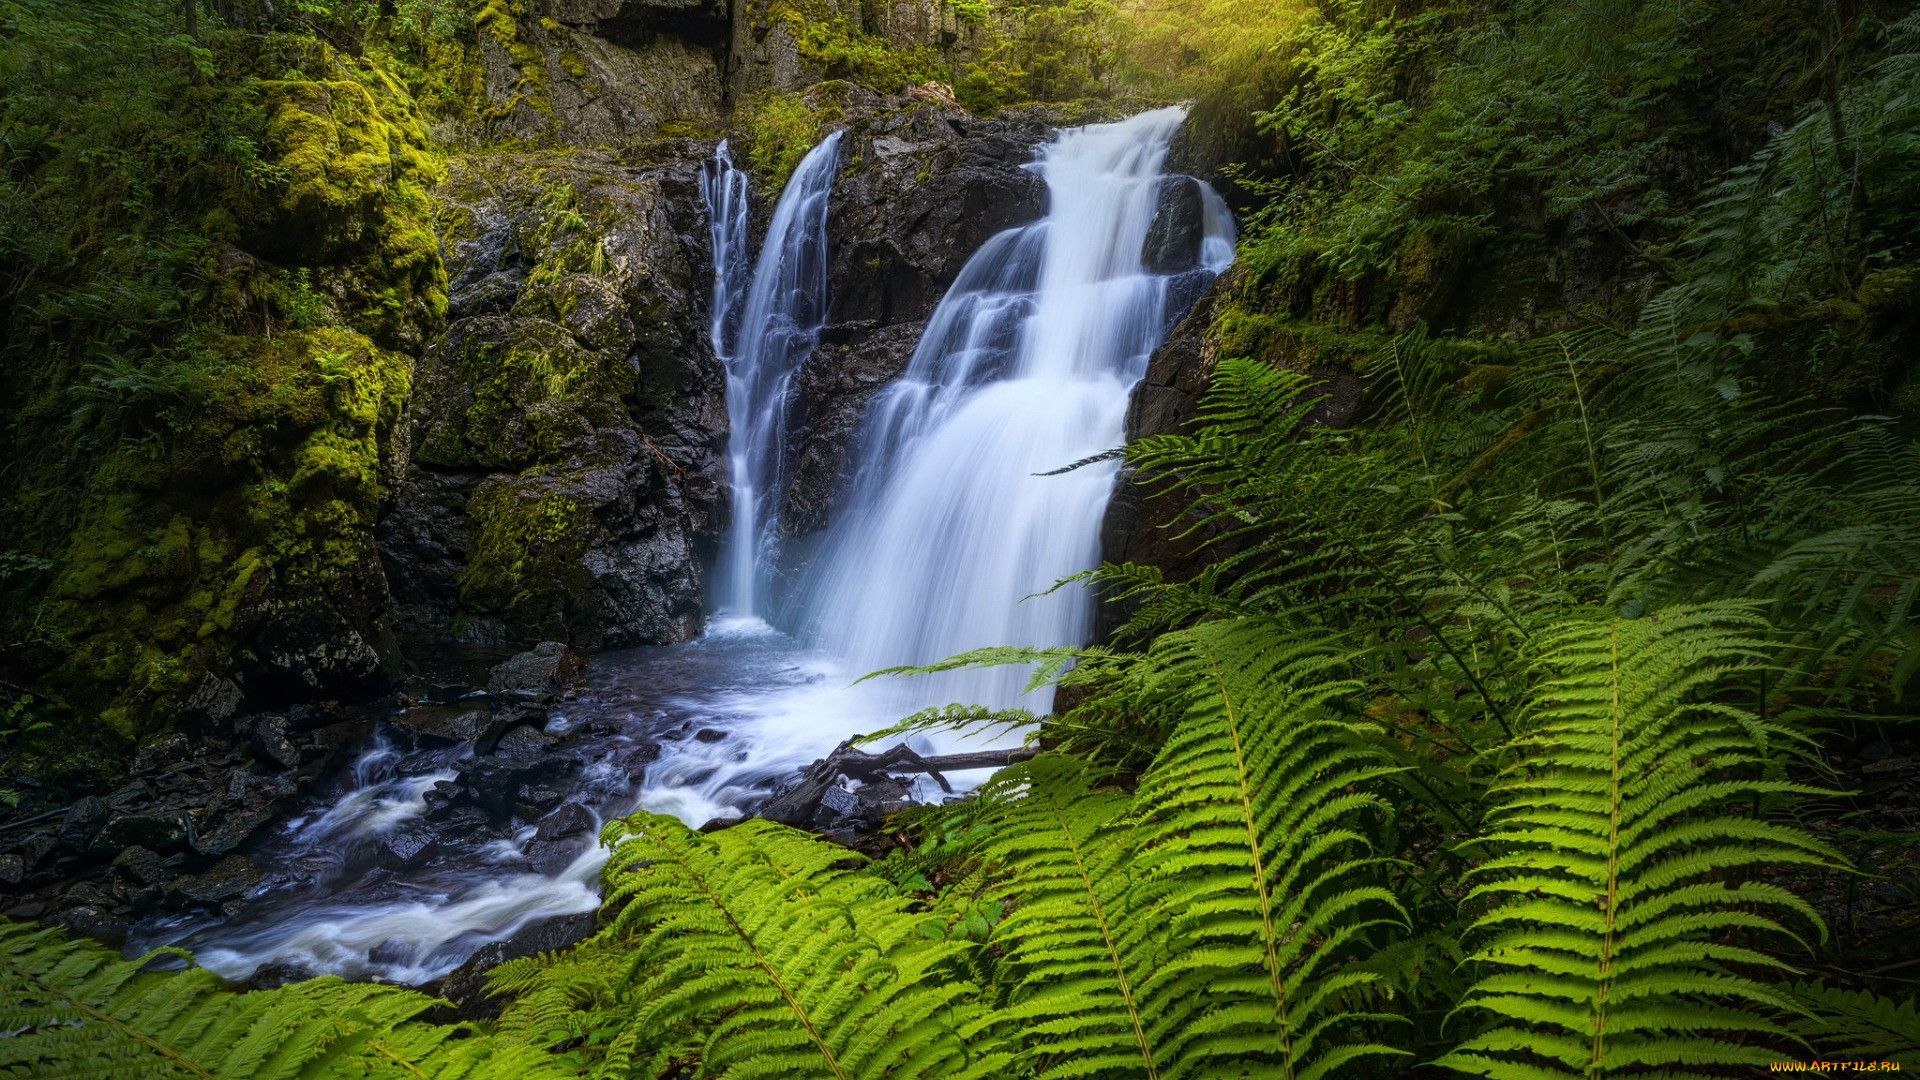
(796, 803)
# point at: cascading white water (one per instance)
(723, 188)
(762, 340)
(1025, 367)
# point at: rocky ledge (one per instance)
(182, 835)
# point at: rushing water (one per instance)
(949, 531)
(762, 338)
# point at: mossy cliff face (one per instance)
(566, 432)
(594, 72)
(193, 504)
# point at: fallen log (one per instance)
(796, 803)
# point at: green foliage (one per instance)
(1857, 1025)
(1610, 848)
(214, 250)
(778, 130)
(74, 1008)
(780, 964)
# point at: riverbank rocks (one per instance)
(168, 840)
(466, 985)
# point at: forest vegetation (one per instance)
(1508, 716)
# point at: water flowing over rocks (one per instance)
(922, 185)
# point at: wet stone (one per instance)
(272, 745)
(161, 754)
(571, 819)
(82, 823)
(840, 801)
(13, 869)
(524, 741)
(538, 674)
(160, 832)
(229, 879)
(407, 846)
(466, 985)
(549, 857)
(709, 735)
(541, 798)
(140, 865)
(448, 724)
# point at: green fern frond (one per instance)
(1615, 869)
(786, 964)
(1252, 830)
(76, 1009)
(1071, 951)
(1857, 1025)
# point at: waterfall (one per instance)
(1025, 367)
(762, 338)
(724, 190)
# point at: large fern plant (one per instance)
(1619, 864)
(766, 950)
(75, 1010)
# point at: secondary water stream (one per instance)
(947, 535)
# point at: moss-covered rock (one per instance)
(566, 430)
(206, 475)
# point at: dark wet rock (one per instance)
(524, 741)
(493, 783)
(406, 846)
(585, 508)
(571, 819)
(1179, 227)
(449, 724)
(467, 822)
(272, 743)
(307, 717)
(709, 735)
(13, 869)
(81, 823)
(634, 760)
(142, 866)
(713, 825)
(549, 857)
(839, 800)
(250, 800)
(466, 985)
(539, 674)
(162, 753)
(92, 920)
(540, 798)
(229, 879)
(160, 832)
(275, 975)
(443, 797)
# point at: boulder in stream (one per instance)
(539, 674)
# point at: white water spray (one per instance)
(762, 340)
(949, 530)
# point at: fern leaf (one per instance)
(1613, 840)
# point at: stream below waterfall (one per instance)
(950, 532)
